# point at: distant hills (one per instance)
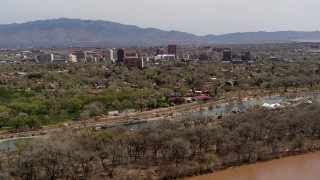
(265, 37)
(72, 32)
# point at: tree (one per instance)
(50, 157)
(33, 122)
(85, 114)
(166, 92)
(154, 139)
(210, 159)
(55, 116)
(72, 104)
(179, 150)
(79, 159)
(4, 116)
(111, 156)
(25, 164)
(19, 121)
(94, 108)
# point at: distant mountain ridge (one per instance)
(65, 32)
(267, 37)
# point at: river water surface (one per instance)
(302, 167)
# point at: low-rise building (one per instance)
(69, 57)
(81, 55)
(165, 57)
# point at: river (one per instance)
(292, 168)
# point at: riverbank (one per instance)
(3, 140)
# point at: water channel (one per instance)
(302, 167)
(314, 97)
(11, 144)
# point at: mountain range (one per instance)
(72, 32)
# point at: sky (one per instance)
(200, 17)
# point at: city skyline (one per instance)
(198, 17)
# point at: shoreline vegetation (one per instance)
(171, 150)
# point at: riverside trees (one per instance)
(169, 151)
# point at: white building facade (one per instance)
(109, 56)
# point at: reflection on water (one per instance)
(137, 125)
(11, 144)
(290, 168)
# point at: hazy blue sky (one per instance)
(195, 16)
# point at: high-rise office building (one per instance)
(227, 56)
(120, 55)
(172, 49)
(247, 56)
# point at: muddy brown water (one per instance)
(302, 167)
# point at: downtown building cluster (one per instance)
(144, 57)
(130, 57)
